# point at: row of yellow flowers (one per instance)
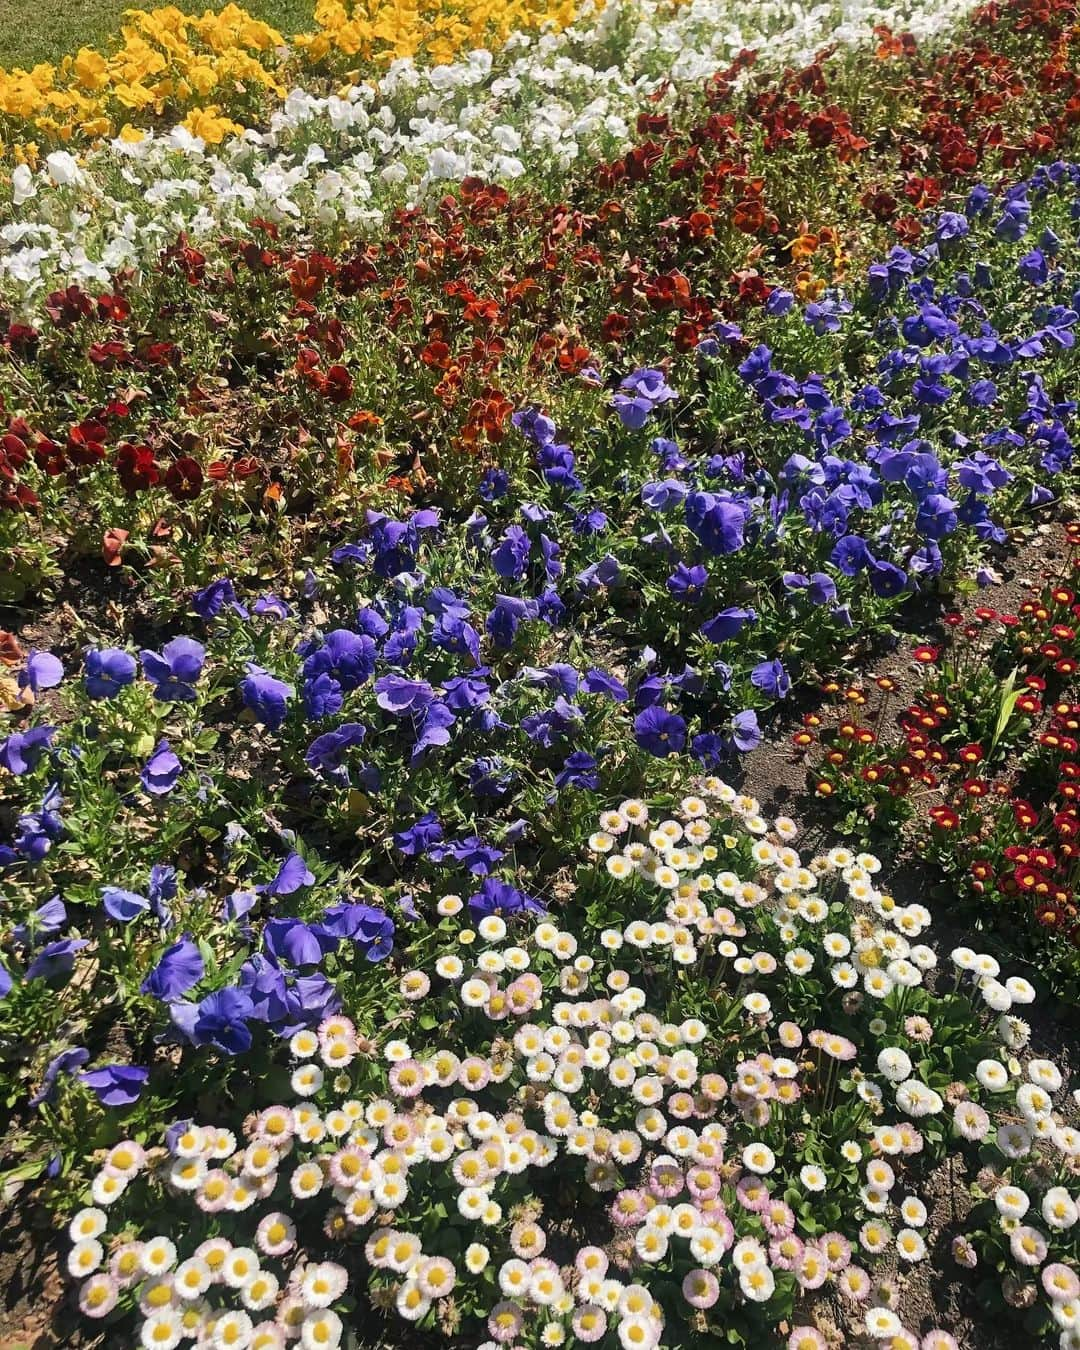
(209, 70)
(432, 31)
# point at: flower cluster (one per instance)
(1001, 825)
(616, 90)
(450, 1163)
(167, 63)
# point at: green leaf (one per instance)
(1005, 711)
(24, 1172)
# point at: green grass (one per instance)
(47, 30)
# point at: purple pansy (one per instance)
(660, 732)
(180, 968)
(161, 771)
(116, 1084)
(265, 695)
(174, 670)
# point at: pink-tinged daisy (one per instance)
(214, 1251)
(323, 1283)
(407, 1078)
(591, 1261)
(757, 1285)
(703, 1183)
(528, 1240)
(436, 1277)
(213, 1193)
(1061, 1283)
(854, 1283)
(232, 1329)
(628, 1209)
(971, 1121)
(348, 1165)
(713, 1086)
(753, 1193)
(778, 1218)
(806, 1338)
(937, 1339)
(125, 1264)
(837, 1250)
(336, 1027)
(505, 1321)
(338, 1053)
(1028, 1246)
(165, 1330)
(275, 1235)
(786, 1252)
(681, 1106)
(260, 1159)
(638, 1333)
(811, 1269)
(274, 1125)
(474, 1073)
(414, 985)
(126, 1159)
(589, 1323)
(399, 1132)
(321, 1328)
(268, 1336)
(193, 1278)
(98, 1295)
(290, 1315)
(666, 1179)
(156, 1294)
(701, 1288)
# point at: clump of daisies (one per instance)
(718, 1046)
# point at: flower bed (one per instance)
(332, 163)
(407, 523)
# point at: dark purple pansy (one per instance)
(221, 1020)
(122, 905)
(108, 671)
(660, 732)
(499, 897)
(66, 1062)
(265, 695)
(728, 623)
(772, 679)
(400, 696)
(56, 960)
(745, 732)
(43, 671)
(21, 751)
(46, 920)
(420, 835)
(174, 670)
(291, 876)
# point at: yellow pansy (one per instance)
(90, 69)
